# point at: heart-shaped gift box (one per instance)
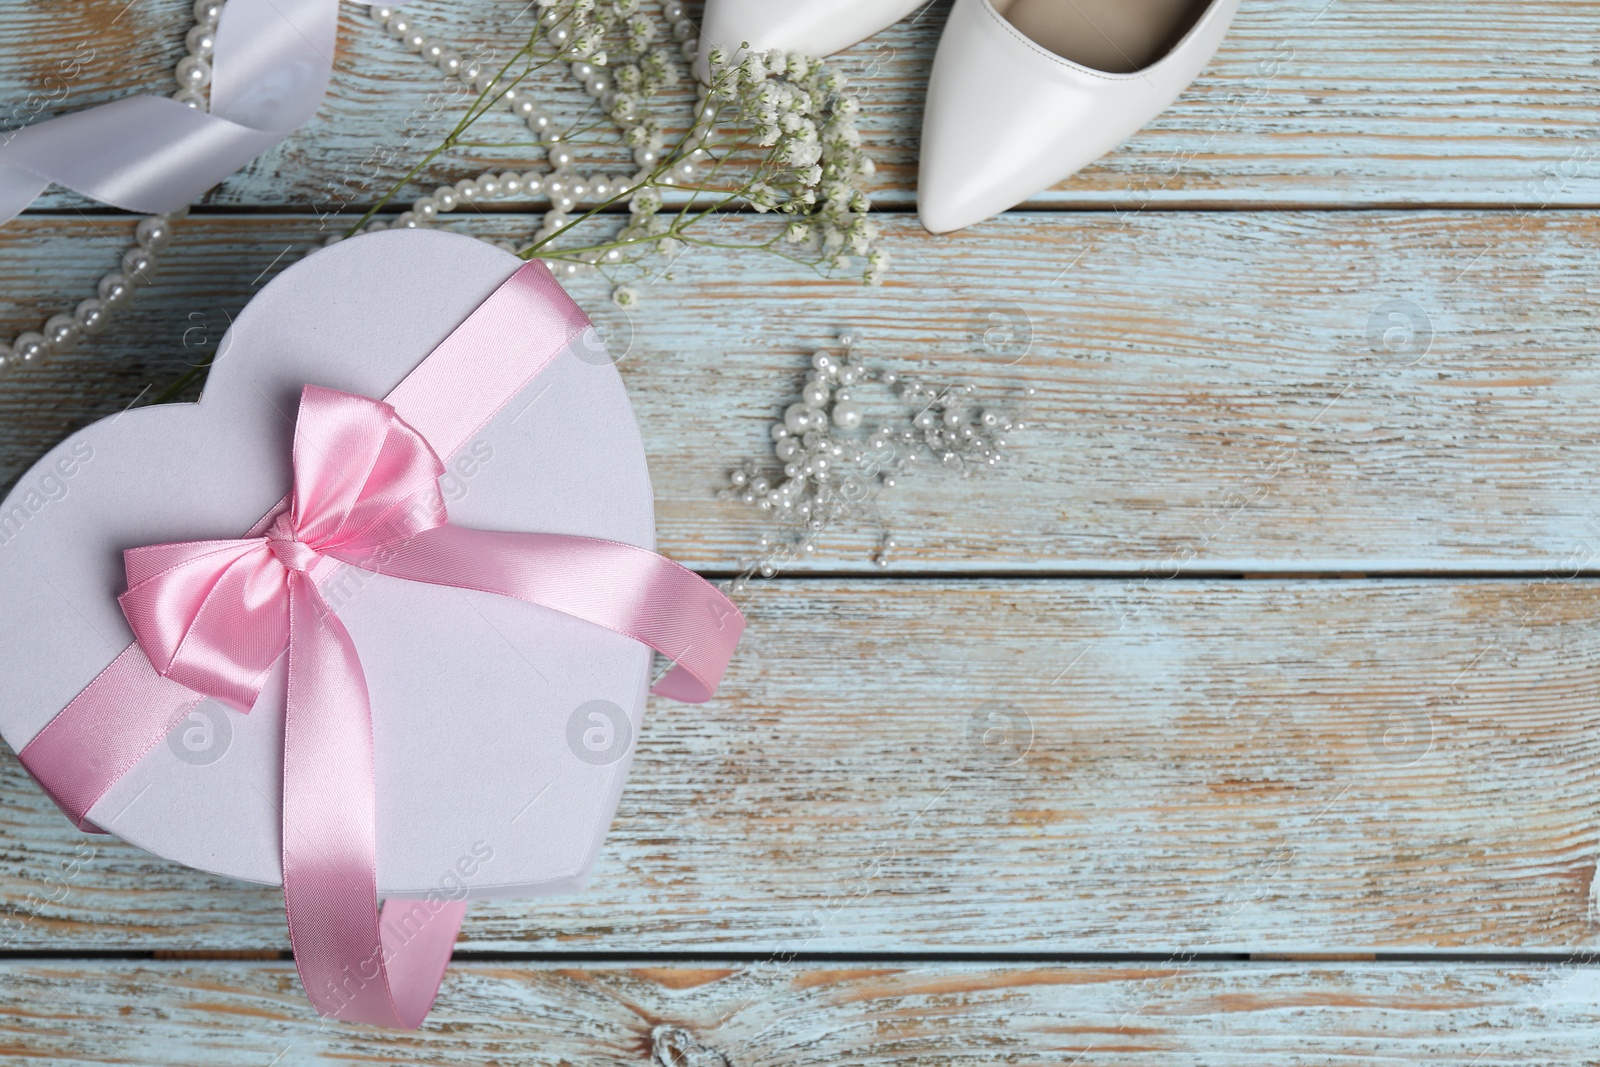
(501, 730)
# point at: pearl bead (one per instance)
(485, 80)
(91, 314)
(683, 30)
(786, 448)
(849, 374)
(823, 360)
(201, 41)
(30, 348)
(847, 415)
(414, 41)
(61, 331)
(525, 108)
(511, 184)
(560, 157)
(192, 72)
(444, 198)
(554, 220)
(488, 185)
(449, 62)
(114, 289)
(600, 188)
(797, 417)
(190, 98)
(779, 431)
(815, 395)
(612, 255)
(558, 36)
(533, 183)
(467, 191)
(509, 99)
(207, 12)
(406, 220)
(153, 233)
(563, 204)
(579, 188)
(433, 51)
(380, 13)
(425, 209)
(597, 86)
(538, 121)
(646, 157)
(470, 69)
(139, 265)
(583, 71)
(397, 24)
(556, 185)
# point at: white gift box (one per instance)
(503, 731)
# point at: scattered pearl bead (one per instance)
(153, 233)
(139, 265)
(60, 331)
(207, 12)
(192, 72)
(91, 314)
(30, 348)
(847, 415)
(201, 41)
(114, 289)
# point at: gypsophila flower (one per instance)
(625, 296)
(771, 132)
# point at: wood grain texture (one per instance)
(1038, 766)
(1182, 1014)
(1213, 390)
(1395, 102)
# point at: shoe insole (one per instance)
(1116, 36)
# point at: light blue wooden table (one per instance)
(1297, 630)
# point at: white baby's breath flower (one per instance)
(625, 296)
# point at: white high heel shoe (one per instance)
(1024, 93)
(810, 27)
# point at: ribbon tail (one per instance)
(626, 589)
(356, 965)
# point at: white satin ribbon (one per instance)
(152, 155)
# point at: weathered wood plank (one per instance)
(1355, 102)
(1213, 390)
(1046, 766)
(717, 1015)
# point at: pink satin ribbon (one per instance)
(212, 618)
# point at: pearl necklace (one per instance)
(565, 189)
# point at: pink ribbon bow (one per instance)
(212, 618)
